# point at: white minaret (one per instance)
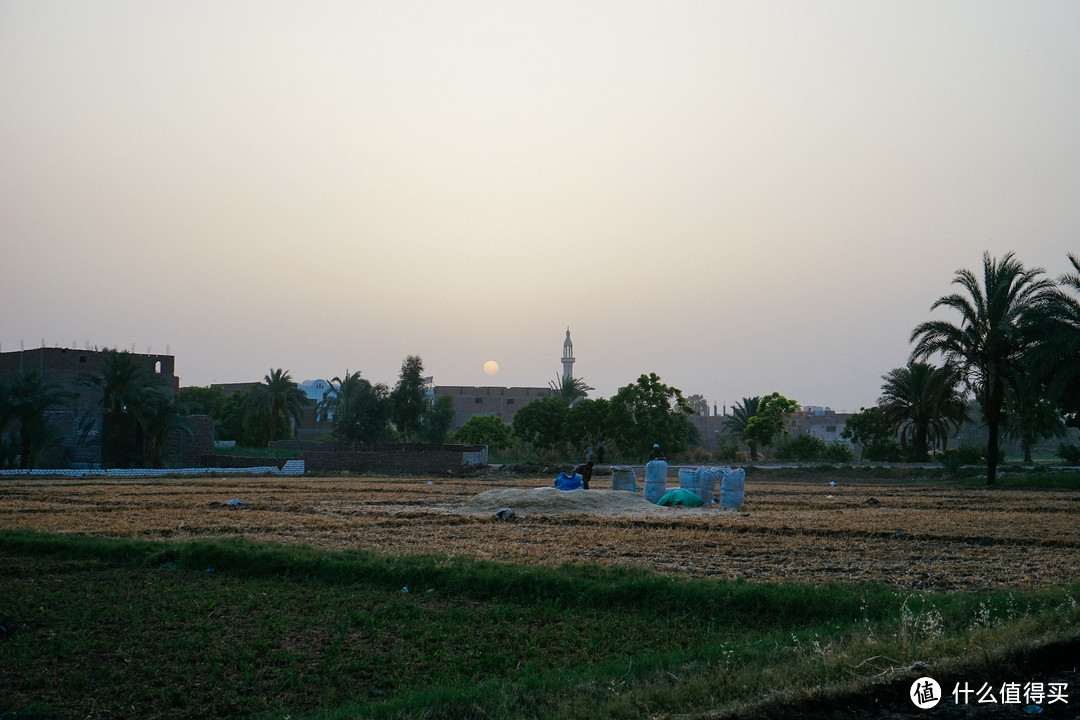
(567, 357)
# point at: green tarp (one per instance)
(680, 497)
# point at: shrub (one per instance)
(883, 451)
(803, 448)
(838, 451)
(699, 456)
(973, 454)
(485, 430)
(1070, 454)
(726, 450)
(811, 448)
(953, 460)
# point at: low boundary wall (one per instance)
(398, 459)
(391, 458)
(292, 468)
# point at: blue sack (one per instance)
(573, 481)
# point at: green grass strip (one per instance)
(571, 586)
(232, 628)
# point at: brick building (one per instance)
(821, 422)
(502, 402)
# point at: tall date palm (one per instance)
(989, 343)
(277, 395)
(1058, 357)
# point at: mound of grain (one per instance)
(549, 501)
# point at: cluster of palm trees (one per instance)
(25, 402)
(1015, 346)
(136, 412)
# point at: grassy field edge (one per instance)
(555, 637)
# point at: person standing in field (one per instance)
(656, 453)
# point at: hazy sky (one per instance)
(742, 197)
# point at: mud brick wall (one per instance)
(237, 461)
(182, 450)
(395, 459)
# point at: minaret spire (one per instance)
(567, 357)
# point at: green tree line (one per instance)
(360, 413)
(1008, 357)
(640, 415)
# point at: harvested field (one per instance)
(909, 536)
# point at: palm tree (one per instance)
(161, 419)
(335, 400)
(924, 404)
(359, 410)
(276, 396)
(128, 392)
(7, 451)
(29, 397)
(989, 344)
(740, 418)
(570, 389)
(1056, 357)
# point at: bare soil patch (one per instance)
(916, 537)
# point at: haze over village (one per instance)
(740, 197)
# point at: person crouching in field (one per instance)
(585, 471)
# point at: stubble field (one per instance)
(927, 537)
